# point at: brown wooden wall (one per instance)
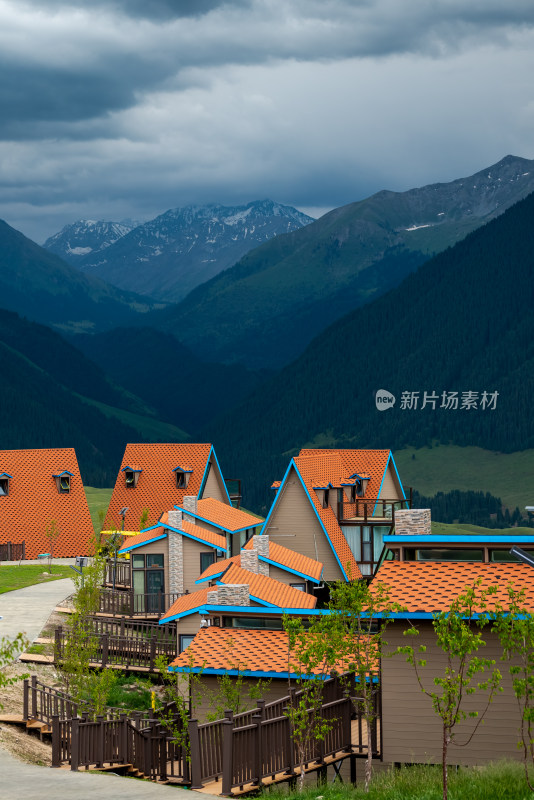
(412, 732)
(294, 525)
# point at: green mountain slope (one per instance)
(463, 322)
(41, 286)
(53, 396)
(269, 306)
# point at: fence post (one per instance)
(194, 754)
(9, 551)
(26, 699)
(162, 749)
(258, 755)
(123, 739)
(288, 739)
(102, 729)
(34, 696)
(56, 742)
(122, 626)
(152, 653)
(147, 752)
(75, 744)
(105, 649)
(228, 753)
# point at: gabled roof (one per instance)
(157, 489)
(185, 605)
(426, 587)
(160, 531)
(321, 468)
(279, 556)
(224, 516)
(34, 501)
(268, 591)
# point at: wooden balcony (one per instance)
(364, 511)
(118, 573)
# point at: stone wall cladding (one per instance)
(413, 522)
(190, 504)
(176, 562)
(261, 545)
(230, 594)
(249, 560)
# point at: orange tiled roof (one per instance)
(207, 536)
(218, 567)
(256, 651)
(318, 468)
(429, 586)
(227, 517)
(34, 501)
(156, 489)
(203, 533)
(187, 602)
(141, 538)
(268, 589)
(292, 560)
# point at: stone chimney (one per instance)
(229, 594)
(190, 504)
(176, 552)
(413, 522)
(250, 558)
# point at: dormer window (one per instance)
(4, 484)
(63, 480)
(326, 498)
(182, 477)
(131, 476)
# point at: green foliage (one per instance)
(182, 694)
(458, 634)
(9, 650)
(52, 533)
(515, 626)
(469, 507)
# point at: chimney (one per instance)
(229, 594)
(176, 552)
(260, 546)
(189, 503)
(249, 560)
(413, 522)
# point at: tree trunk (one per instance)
(369, 759)
(446, 740)
(301, 776)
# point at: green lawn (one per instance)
(446, 529)
(97, 500)
(447, 467)
(500, 781)
(14, 577)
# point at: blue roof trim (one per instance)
(58, 475)
(181, 469)
(141, 544)
(194, 538)
(247, 673)
(214, 524)
(293, 571)
(320, 521)
(304, 612)
(5, 475)
(460, 538)
(397, 474)
(205, 476)
(328, 486)
(381, 484)
(131, 469)
(195, 610)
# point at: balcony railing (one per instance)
(122, 569)
(364, 510)
(133, 604)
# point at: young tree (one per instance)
(9, 650)
(356, 626)
(459, 635)
(182, 696)
(312, 657)
(233, 693)
(515, 627)
(52, 533)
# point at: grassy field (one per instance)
(14, 577)
(97, 500)
(443, 468)
(500, 781)
(445, 529)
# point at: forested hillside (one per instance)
(463, 322)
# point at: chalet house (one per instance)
(336, 506)
(158, 476)
(36, 488)
(425, 576)
(170, 555)
(240, 598)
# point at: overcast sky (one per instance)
(110, 110)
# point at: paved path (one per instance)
(27, 610)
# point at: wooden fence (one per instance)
(10, 551)
(118, 573)
(130, 650)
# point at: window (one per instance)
(129, 477)
(253, 622)
(444, 554)
(148, 579)
(206, 560)
(185, 640)
(180, 480)
(326, 498)
(4, 487)
(502, 555)
(300, 586)
(64, 484)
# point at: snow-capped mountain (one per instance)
(170, 255)
(86, 236)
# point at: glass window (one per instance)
(300, 586)
(253, 622)
(450, 554)
(64, 484)
(130, 479)
(185, 640)
(154, 560)
(138, 561)
(206, 560)
(502, 555)
(4, 487)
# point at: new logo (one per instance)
(384, 400)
